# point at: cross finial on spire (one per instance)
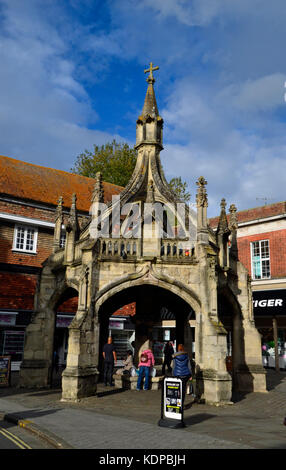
(223, 204)
(151, 79)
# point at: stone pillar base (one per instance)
(214, 387)
(34, 374)
(250, 378)
(79, 383)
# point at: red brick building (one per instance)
(29, 197)
(261, 240)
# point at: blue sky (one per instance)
(72, 75)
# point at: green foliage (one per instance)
(180, 188)
(116, 161)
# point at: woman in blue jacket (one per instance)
(182, 367)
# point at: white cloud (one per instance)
(264, 93)
(221, 144)
(190, 13)
(44, 110)
(221, 80)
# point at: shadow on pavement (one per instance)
(45, 392)
(274, 378)
(198, 418)
(30, 414)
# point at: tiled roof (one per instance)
(126, 310)
(256, 213)
(37, 183)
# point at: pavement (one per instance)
(118, 419)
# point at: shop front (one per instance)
(12, 335)
(122, 331)
(61, 337)
(269, 307)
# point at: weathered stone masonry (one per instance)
(208, 277)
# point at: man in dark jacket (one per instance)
(109, 355)
(168, 354)
(182, 367)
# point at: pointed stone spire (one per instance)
(58, 225)
(72, 232)
(72, 223)
(202, 204)
(149, 124)
(233, 225)
(98, 192)
(201, 197)
(223, 224)
(150, 105)
(222, 236)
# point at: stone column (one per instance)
(275, 335)
(80, 377)
(188, 339)
(36, 366)
(213, 382)
(250, 374)
(237, 346)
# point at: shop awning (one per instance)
(269, 302)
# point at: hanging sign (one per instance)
(5, 370)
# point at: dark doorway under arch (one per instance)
(154, 304)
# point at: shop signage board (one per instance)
(7, 319)
(116, 324)
(172, 403)
(5, 370)
(269, 302)
(64, 321)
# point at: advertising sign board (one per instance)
(172, 403)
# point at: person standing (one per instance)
(146, 362)
(109, 355)
(182, 367)
(168, 354)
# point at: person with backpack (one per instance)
(146, 362)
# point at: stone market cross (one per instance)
(198, 276)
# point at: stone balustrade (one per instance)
(120, 247)
(175, 249)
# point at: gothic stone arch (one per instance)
(38, 350)
(195, 266)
